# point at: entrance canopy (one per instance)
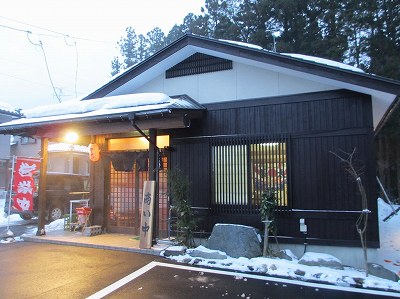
(106, 115)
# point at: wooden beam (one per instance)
(153, 177)
(92, 128)
(84, 129)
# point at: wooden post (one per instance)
(146, 224)
(153, 173)
(42, 187)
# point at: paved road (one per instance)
(161, 280)
(37, 270)
(33, 270)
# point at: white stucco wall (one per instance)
(242, 82)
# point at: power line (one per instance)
(52, 31)
(40, 44)
(22, 30)
(34, 82)
(76, 66)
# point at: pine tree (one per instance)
(116, 66)
(156, 40)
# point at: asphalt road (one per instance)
(38, 270)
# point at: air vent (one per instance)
(198, 64)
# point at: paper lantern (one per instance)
(94, 152)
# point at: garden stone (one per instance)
(203, 252)
(236, 240)
(382, 272)
(174, 251)
(321, 260)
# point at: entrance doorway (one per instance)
(126, 188)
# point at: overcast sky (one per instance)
(97, 26)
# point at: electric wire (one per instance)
(52, 31)
(40, 44)
(76, 65)
(23, 30)
(34, 82)
(28, 32)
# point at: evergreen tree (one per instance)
(116, 66)
(128, 47)
(385, 38)
(176, 32)
(156, 40)
(356, 32)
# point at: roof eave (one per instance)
(31, 129)
(279, 60)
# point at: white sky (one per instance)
(98, 26)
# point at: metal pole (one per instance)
(266, 235)
(386, 196)
(10, 193)
(42, 187)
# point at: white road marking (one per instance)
(116, 285)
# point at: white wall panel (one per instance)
(242, 82)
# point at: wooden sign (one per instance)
(146, 223)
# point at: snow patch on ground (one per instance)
(389, 234)
(349, 277)
(315, 257)
(388, 256)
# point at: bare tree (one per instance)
(347, 159)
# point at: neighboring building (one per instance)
(237, 120)
(25, 146)
(63, 157)
(68, 158)
(387, 144)
(7, 113)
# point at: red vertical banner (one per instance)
(24, 184)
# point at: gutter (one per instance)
(388, 114)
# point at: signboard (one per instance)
(24, 184)
(146, 223)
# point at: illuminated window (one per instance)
(230, 174)
(242, 173)
(269, 170)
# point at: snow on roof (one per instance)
(252, 46)
(302, 56)
(66, 147)
(78, 106)
(324, 61)
(7, 108)
(116, 106)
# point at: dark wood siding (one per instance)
(320, 190)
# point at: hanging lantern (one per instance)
(94, 152)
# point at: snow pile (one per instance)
(77, 106)
(4, 220)
(388, 256)
(348, 277)
(389, 234)
(51, 227)
(55, 225)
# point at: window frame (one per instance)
(251, 203)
